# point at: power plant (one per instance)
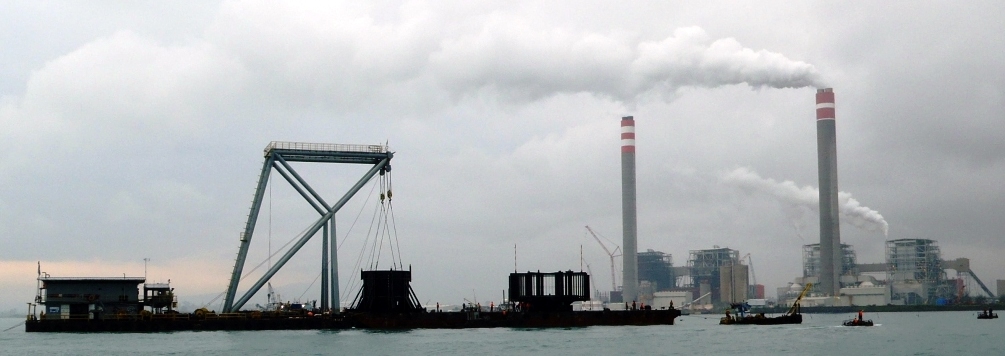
(914, 271)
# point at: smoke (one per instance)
(802, 199)
(514, 58)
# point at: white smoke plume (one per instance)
(808, 198)
(535, 63)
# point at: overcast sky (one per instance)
(135, 130)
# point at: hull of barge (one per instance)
(183, 324)
(418, 320)
(462, 320)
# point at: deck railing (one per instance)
(323, 147)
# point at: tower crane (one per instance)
(609, 253)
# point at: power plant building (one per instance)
(915, 272)
(657, 268)
(811, 261)
(718, 273)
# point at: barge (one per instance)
(386, 301)
(792, 316)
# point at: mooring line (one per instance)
(12, 327)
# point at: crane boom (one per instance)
(750, 262)
(795, 305)
(614, 254)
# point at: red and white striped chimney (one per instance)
(825, 104)
(830, 232)
(628, 134)
(629, 225)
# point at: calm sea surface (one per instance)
(932, 333)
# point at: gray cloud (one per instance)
(138, 135)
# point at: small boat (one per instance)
(793, 316)
(987, 314)
(857, 322)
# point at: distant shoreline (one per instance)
(884, 308)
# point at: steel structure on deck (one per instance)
(277, 156)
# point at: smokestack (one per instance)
(628, 216)
(830, 232)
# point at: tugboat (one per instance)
(858, 321)
(793, 316)
(987, 314)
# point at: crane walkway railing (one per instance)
(323, 147)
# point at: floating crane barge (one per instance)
(385, 300)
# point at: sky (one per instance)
(135, 130)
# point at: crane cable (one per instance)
(351, 283)
(380, 228)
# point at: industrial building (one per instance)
(714, 276)
(811, 260)
(717, 276)
(914, 273)
(656, 268)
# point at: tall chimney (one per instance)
(628, 216)
(830, 232)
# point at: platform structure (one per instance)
(386, 291)
(549, 291)
(277, 157)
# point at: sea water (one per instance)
(923, 333)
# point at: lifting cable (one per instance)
(383, 222)
(351, 283)
(359, 258)
(260, 264)
(382, 228)
(309, 287)
(393, 225)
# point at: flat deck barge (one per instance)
(418, 320)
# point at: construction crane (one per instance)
(750, 262)
(614, 254)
